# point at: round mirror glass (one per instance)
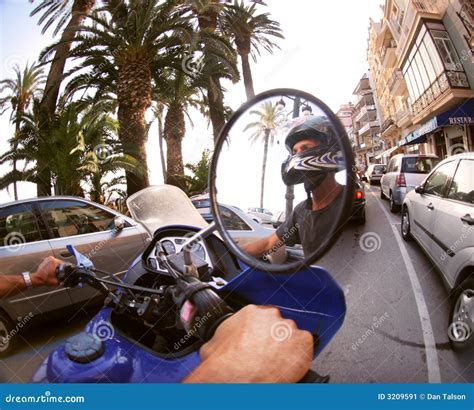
(281, 180)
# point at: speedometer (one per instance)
(199, 251)
(168, 247)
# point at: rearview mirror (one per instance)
(284, 151)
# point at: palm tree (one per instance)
(72, 12)
(68, 149)
(198, 181)
(20, 91)
(208, 14)
(183, 94)
(250, 32)
(264, 129)
(124, 44)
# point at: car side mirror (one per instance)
(419, 189)
(119, 223)
(364, 179)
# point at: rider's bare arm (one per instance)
(44, 275)
(261, 246)
(248, 348)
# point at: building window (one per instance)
(446, 50)
(432, 66)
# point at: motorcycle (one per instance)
(188, 280)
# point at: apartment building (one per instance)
(421, 59)
(366, 126)
(344, 113)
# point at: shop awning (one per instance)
(386, 153)
(461, 114)
(419, 135)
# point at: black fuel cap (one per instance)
(84, 348)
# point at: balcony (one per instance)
(440, 86)
(388, 55)
(366, 110)
(403, 116)
(371, 125)
(416, 10)
(397, 84)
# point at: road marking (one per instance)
(432, 362)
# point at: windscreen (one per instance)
(163, 205)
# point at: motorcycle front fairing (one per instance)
(310, 297)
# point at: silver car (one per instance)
(260, 215)
(439, 214)
(374, 173)
(33, 229)
(404, 173)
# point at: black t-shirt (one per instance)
(308, 227)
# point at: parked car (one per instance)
(240, 225)
(264, 215)
(439, 215)
(374, 173)
(404, 172)
(33, 229)
(358, 206)
(278, 219)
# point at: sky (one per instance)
(324, 53)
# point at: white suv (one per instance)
(404, 173)
(439, 214)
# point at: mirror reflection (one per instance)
(281, 178)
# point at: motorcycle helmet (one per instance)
(311, 166)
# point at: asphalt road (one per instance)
(383, 338)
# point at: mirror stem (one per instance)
(188, 261)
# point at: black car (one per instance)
(358, 206)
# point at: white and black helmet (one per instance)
(306, 166)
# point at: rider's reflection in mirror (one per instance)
(314, 160)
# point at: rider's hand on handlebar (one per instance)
(255, 345)
(45, 274)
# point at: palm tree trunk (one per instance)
(132, 134)
(15, 146)
(216, 107)
(207, 20)
(159, 118)
(264, 165)
(174, 132)
(134, 98)
(247, 74)
(80, 9)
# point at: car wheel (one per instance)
(7, 339)
(461, 327)
(405, 225)
(394, 208)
